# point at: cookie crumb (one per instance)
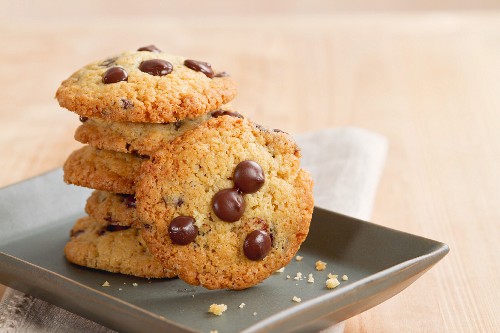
(255, 313)
(310, 278)
(242, 305)
(106, 284)
(120, 289)
(332, 283)
(192, 295)
(214, 331)
(345, 277)
(332, 276)
(288, 276)
(296, 299)
(280, 270)
(217, 309)
(298, 276)
(135, 284)
(320, 265)
(299, 258)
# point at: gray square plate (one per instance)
(36, 215)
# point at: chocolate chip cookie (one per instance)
(112, 248)
(142, 138)
(226, 204)
(103, 170)
(106, 207)
(145, 86)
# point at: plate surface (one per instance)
(36, 216)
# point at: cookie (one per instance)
(226, 204)
(103, 170)
(142, 138)
(106, 207)
(107, 248)
(145, 86)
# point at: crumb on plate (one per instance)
(332, 283)
(217, 309)
(106, 284)
(296, 299)
(320, 265)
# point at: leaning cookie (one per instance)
(107, 207)
(142, 138)
(146, 86)
(103, 170)
(226, 204)
(112, 248)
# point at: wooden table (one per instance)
(429, 82)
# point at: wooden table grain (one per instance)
(429, 82)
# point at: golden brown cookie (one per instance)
(226, 204)
(103, 170)
(106, 207)
(106, 247)
(142, 138)
(144, 86)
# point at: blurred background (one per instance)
(423, 73)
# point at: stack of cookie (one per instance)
(184, 185)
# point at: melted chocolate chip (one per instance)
(219, 113)
(116, 227)
(182, 230)
(74, 233)
(248, 176)
(149, 48)
(83, 119)
(221, 74)
(200, 66)
(108, 62)
(257, 245)
(127, 104)
(156, 67)
(114, 75)
(228, 205)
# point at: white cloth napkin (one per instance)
(345, 164)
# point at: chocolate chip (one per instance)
(108, 219)
(128, 200)
(149, 48)
(108, 62)
(127, 146)
(182, 230)
(221, 74)
(127, 104)
(257, 245)
(147, 226)
(180, 202)
(248, 176)
(114, 75)
(135, 152)
(74, 233)
(228, 205)
(101, 232)
(116, 227)
(219, 113)
(83, 119)
(156, 67)
(200, 66)
(178, 125)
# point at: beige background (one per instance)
(428, 80)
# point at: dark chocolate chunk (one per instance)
(156, 67)
(200, 66)
(116, 227)
(83, 119)
(127, 104)
(149, 48)
(108, 62)
(228, 205)
(219, 113)
(221, 74)
(114, 75)
(182, 230)
(257, 245)
(248, 176)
